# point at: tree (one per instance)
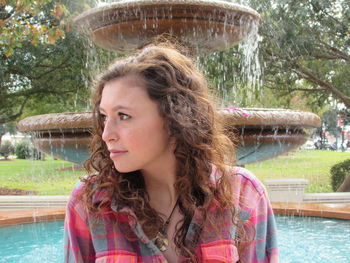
(304, 52)
(245, 88)
(6, 149)
(40, 21)
(306, 47)
(7, 128)
(36, 76)
(42, 75)
(26, 29)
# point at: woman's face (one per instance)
(134, 131)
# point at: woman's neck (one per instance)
(160, 187)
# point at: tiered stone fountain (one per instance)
(203, 26)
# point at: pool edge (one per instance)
(337, 211)
(14, 217)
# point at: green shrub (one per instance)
(339, 172)
(25, 150)
(22, 150)
(6, 149)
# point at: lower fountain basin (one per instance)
(262, 133)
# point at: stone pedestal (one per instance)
(286, 190)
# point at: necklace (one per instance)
(161, 239)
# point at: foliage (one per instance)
(344, 114)
(22, 150)
(9, 127)
(37, 22)
(55, 79)
(306, 47)
(304, 56)
(330, 121)
(40, 77)
(25, 150)
(339, 172)
(6, 149)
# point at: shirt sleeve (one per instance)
(78, 246)
(260, 232)
(263, 249)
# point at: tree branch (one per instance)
(15, 116)
(326, 56)
(28, 93)
(308, 75)
(300, 89)
(339, 53)
(53, 68)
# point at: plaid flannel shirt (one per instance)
(103, 240)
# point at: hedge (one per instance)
(338, 173)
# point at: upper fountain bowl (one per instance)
(203, 26)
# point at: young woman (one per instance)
(162, 186)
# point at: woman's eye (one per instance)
(103, 118)
(123, 116)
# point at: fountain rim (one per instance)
(116, 26)
(130, 4)
(323, 210)
(243, 117)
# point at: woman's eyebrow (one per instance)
(116, 108)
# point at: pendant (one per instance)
(161, 241)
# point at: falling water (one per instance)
(251, 69)
(236, 76)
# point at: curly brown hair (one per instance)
(180, 90)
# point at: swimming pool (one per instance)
(301, 240)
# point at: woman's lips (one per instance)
(116, 153)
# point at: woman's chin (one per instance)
(123, 168)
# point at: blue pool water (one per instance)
(301, 240)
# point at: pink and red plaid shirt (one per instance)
(103, 240)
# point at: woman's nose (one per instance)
(109, 131)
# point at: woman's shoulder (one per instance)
(87, 184)
(239, 176)
(246, 178)
(75, 196)
(76, 204)
(79, 188)
(247, 189)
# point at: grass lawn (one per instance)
(54, 177)
(313, 165)
(50, 177)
